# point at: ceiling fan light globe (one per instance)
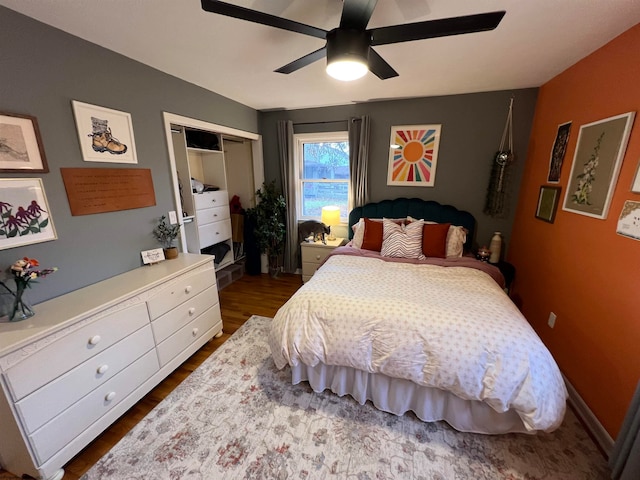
(347, 70)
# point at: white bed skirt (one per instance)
(399, 396)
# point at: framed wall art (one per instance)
(105, 135)
(635, 186)
(548, 200)
(596, 165)
(558, 151)
(629, 221)
(25, 217)
(20, 145)
(413, 155)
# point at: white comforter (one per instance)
(451, 328)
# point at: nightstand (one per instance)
(314, 253)
(509, 273)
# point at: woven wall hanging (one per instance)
(499, 179)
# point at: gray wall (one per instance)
(42, 70)
(472, 127)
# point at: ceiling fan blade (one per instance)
(303, 61)
(356, 13)
(379, 67)
(223, 8)
(435, 28)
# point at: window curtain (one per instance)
(358, 160)
(625, 457)
(287, 171)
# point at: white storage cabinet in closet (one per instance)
(199, 155)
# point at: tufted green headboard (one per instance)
(417, 208)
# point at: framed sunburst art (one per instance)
(413, 155)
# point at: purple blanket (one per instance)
(464, 261)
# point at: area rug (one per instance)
(237, 417)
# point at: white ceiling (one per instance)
(536, 40)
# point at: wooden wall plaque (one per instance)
(100, 190)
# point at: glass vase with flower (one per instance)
(15, 305)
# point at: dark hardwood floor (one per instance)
(247, 296)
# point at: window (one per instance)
(322, 170)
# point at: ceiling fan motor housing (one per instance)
(346, 44)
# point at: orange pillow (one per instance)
(434, 239)
(372, 235)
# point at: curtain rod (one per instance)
(319, 123)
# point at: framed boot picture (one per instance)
(105, 135)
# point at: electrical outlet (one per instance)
(173, 218)
(552, 319)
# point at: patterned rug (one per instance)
(237, 417)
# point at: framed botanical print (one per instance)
(25, 217)
(596, 165)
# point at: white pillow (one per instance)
(358, 234)
(456, 236)
(455, 241)
(402, 241)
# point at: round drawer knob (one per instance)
(110, 396)
(192, 311)
(187, 289)
(103, 368)
(94, 340)
(215, 214)
(194, 332)
(317, 257)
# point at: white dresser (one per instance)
(88, 356)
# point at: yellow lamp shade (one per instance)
(331, 216)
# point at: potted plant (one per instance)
(166, 234)
(269, 219)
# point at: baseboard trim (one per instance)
(591, 422)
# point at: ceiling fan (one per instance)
(348, 48)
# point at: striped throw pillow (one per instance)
(402, 241)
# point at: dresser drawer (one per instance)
(64, 353)
(308, 269)
(213, 233)
(170, 322)
(203, 200)
(315, 254)
(188, 334)
(183, 288)
(210, 215)
(54, 435)
(47, 402)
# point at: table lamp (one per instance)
(330, 217)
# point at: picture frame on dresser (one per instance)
(21, 149)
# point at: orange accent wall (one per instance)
(578, 267)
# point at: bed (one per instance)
(433, 334)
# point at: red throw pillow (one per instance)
(372, 235)
(434, 239)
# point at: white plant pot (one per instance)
(264, 263)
